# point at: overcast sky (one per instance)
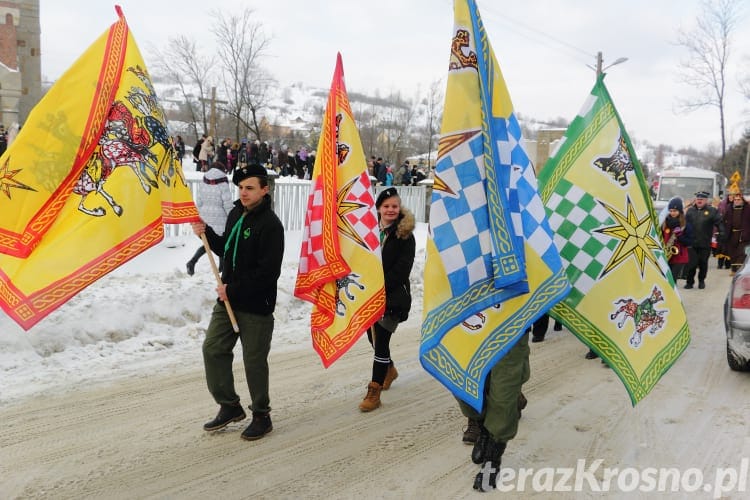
(543, 47)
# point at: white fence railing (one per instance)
(290, 202)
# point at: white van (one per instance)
(685, 182)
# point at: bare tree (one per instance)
(366, 116)
(395, 126)
(705, 69)
(745, 79)
(241, 45)
(182, 64)
(256, 100)
(433, 105)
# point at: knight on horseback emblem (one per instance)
(644, 315)
(129, 138)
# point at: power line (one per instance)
(495, 16)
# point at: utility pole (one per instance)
(600, 62)
(212, 116)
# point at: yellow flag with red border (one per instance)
(92, 183)
(43, 163)
(340, 271)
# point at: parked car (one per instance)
(737, 320)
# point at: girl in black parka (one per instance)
(397, 249)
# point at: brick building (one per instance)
(20, 60)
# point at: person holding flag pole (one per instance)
(492, 266)
(252, 249)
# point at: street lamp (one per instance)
(600, 60)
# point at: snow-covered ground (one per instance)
(144, 317)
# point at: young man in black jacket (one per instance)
(252, 249)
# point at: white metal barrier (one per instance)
(290, 202)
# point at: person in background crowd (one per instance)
(179, 148)
(232, 155)
(380, 171)
(214, 203)
(737, 225)
(539, 329)
(398, 248)
(254, 156)
(591, 354)
(704, 219)
(252, 249)
(416, 175)
(299, 164)
(3, 139)
(401, 175)
(243, 154)
(678, 237)
(263, 153)
(222, 152)
(388, 176)
(197, 152)
(206, 155)
(283, 160)
(723, 260)
(311, 163)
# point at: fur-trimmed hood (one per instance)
(406, 224)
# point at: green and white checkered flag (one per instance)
(624, 303)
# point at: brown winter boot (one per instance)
(372, 400)
(390, 376)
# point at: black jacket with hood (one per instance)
(252, 278)
(399, 247)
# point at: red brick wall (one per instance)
(8, 42)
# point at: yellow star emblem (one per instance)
(7, 181)
(346, 207)
(635, 235)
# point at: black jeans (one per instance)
(382, 359)
(698, 261)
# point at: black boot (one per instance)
(227, 414)
(477, 452)
(486, 479)
(471, 433)
(194, 260)
(259, 427)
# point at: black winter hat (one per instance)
(676, 203)
(385, 194)
(252, 170)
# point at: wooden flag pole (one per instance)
(210, 256)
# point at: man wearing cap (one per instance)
(242, 154)
(252, 249)
(704, 218)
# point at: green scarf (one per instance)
(234, 234)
